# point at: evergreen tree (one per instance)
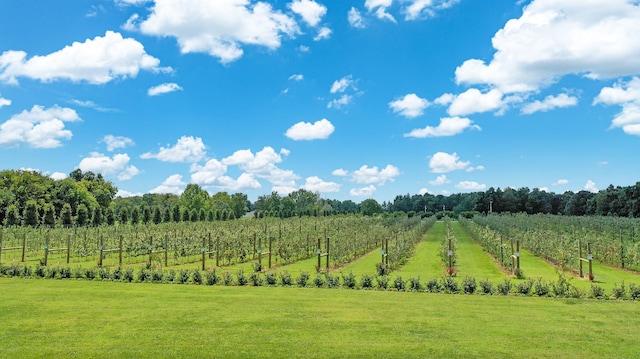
(157, 215)
(185, 215)
(110, 216)
(12, 217)
(176, 214)
(166, 217)
(65, 215)
(146, 215)
(97, 217)
(30, 214)
(135, 216)
(124, 216)
(49, 217)
(82, 215)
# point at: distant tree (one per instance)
(369, 207)
(186, 215)
(146, 214)
(202, 215)
(176, 214)
(65, 215)
(110, 217)
(135, 215)
(30, 214)
(49, 217)
(97, 217)
(12, 218)
(166, 216)
(82, 215)
(124, 216)
(157, 215)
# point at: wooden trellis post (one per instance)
(589, 260)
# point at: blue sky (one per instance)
(352, 99)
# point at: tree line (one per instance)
(85, 198)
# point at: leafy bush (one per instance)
(619, 292)
(90, 273)
(469, 285)
(319, 281)
(433, 286)
(25, 271)
(634, 291)
(128, 275)
(525, 287)
(271, 278)
(157, 276)
(332, 281)
(382, 269)
(210, 277)
(561, 287)
(285, 278)
(257, 267)
(449, 285)
(399, 284)
(597, 291)
(144, 275)
(227, 278)
(303, 279)
(414, 284)
(519, 273)
(366, 281)
(382, 282)
(256, 279)
(117, 274)
(349, 280)
(541, 288)
(504, 288)
(196, 277)
(41, 271)
(170, 277)
(241, 278)
(486, 287)
(183, 276)
(104, 273)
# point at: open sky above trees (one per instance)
(350, 99)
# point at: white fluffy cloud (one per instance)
(355, 18)
(366, 174)
(553, 38)
(58, 176)
(340, 101)
(626, 95)
(560, 182)
(341, 85)
(340, 172)
(319, 130)
(473, 101)
(219, 28)
(591, 186)
(263, 165)
(96, 61)
(163, 88)
(213, 173)
(411, 105)
(310, 11)
(38, 128)
(420, 9)
(4, 102)
(116, 165)
(316, 184)
(442, 162)
(550, 103)
(116, 142)
(173, 184)
(323, 34)
(449, 126)
(379, 8)
(440, 180)
(296, 77)
(187, 149)
(363, 191)
(471, 186)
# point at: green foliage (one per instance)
(504, 287)
(285, 278)
(12, 217)
(211, 278)
(619, 292)
(469, 285)
(303, 279)
(30, 214)
(541, 288)
(366, 281)
(271, 278)
(399, 284)
(450, 285)
(414, 284)
(349, 280)
(319, 281)
(525, 287)
(486, 287)
(49, 217)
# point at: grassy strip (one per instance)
(94, 319)
(364, 265)
(426, 262)
(472, 259)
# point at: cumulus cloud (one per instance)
(560, 182)
(310, 11)
(340, 172)
(4, 102)
(366, 174)
(213, 173)
(442, 162)
(116, 165)
(173, 185)
(116, 142)
(471, 186)
(421, 9)
(186, 149)
(124, 194)
(220, 28)
(554, 38)
(163, 88)
(449, 126)
(319, 130)
(323, 34)
(626, 95)
(363, 191)
(550, 103)
(96, 61)
(591, 187)
(58, 176)
(38, 127)
(410, 105)
(316, 184)
(440, 180)
(263, 164)
(379, 8)
(473, 101)
(355, 18)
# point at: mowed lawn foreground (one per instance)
(91, 319)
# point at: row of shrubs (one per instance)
(562, 288)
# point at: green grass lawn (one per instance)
(472, 259)
(85, 319)
(363, 265)
(426, 262)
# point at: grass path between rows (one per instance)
(91, 319)
(472, 260)
(426, 262)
